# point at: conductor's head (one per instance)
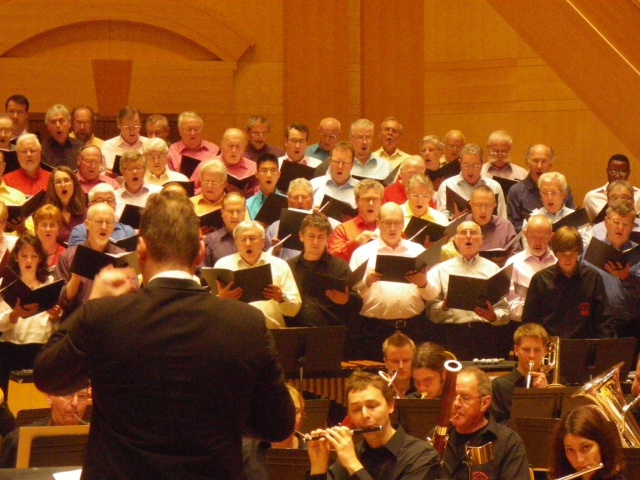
(169, 235)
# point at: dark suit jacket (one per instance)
(178, 376)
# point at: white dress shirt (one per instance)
(525, 265)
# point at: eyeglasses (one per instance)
(103, 222)
(499, 153)
(542, 162)
(471, 166)
(342, 163)
(192, 130)
(249, 238)
(212, 183)
(131, 128)
(134, 169)
(466, 399)
(618, 173)
(258, 134)
(155, 158)
(550, 193)
(483, 206)
(108, 201)
(326, 136)
(468, 233)
(453, 146)
(63, 181)
(88, 161)
(417, 196)
(361, 139)
(625, 225)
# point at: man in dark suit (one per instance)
(178, 375)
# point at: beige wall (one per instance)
(434, 64)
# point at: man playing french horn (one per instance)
(530, 346)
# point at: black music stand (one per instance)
(310, 350)
(583, 359)
(417, 417)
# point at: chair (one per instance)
(315, 414)
(536, 436)
(52, 446)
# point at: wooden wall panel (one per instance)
(392, 52)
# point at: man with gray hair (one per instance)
(468, 178)
(192, 143)
(390, 135)
(90, 163)
(282, 297)
(472, 426)
(157, 126)
(499, 164)
(258, 128)
(366, 165)
(30, 178)
(60, 149)
(134, 190)
(156, 153)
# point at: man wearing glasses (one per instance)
(129, 138)
(618, 168)
(66, 411)
(499, 164)
(468, 178)
(524, 197)
(134, 190)
(90, 164)
(192, 143)
(338, 182)
(258, 128)
(472, 426)
(329, 134)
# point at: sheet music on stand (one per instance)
(310, 350)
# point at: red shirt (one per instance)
(27, 185)
(342, 242)
(395, 193)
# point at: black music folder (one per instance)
(212, 219)
(576, 219)
(28, 208)
(189, 187)
(337, 209)
(499, 254)
(466, 293)
(252, 280)
(129, 244)
(88, 262)
(271, 208)
(393, 268)
(240, 183)
(188, 165)
(11, 163)
(418, 229)
(505, 183)
(116, 166)
(448, 170)
(289, 171)
(131, 216)
(46, 296)
(46, 167)
(456, 203)
(392, 176)
(600, 216)
(290, 221)
(316, 284)
(599, 253)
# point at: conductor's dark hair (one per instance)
(170, 228)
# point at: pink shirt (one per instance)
(244, 168)
(206, 151)
(86, 186)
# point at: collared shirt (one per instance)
(385, 300)
(525, 197)
(139, 199)
(55, 154)
(218, 244)
(272, 232)
(26, 184)
(510, 171)
(88, 185)
(509, 461)
(599, 230)
(497, 234)
(395, 193)
(342, 242)
(92, 142)
(167, 176)
(11, 196)
(253, 154)
(206, 151)
(623, 296)
(403, 457)
(502, 388)
(595, 200)
(438, 285)
(586, 231)
(525, 266)
(431, 214)
(117, 146)
(34, 329)
(308, 161)
(374, 168)
(79, 233)
(316, 151)
(459, 185)
(325, 185)
(274, 312)
(569, 307)
(395, 159)
(202, 205)
(243, 169)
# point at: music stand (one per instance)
(417, 416)
(583, 359)
(310, 350)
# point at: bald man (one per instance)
(329, 135)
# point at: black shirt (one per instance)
(403, 458)
(317, 310)
(502, 394)
(55, 154)
(569, 307)
(509, 462)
